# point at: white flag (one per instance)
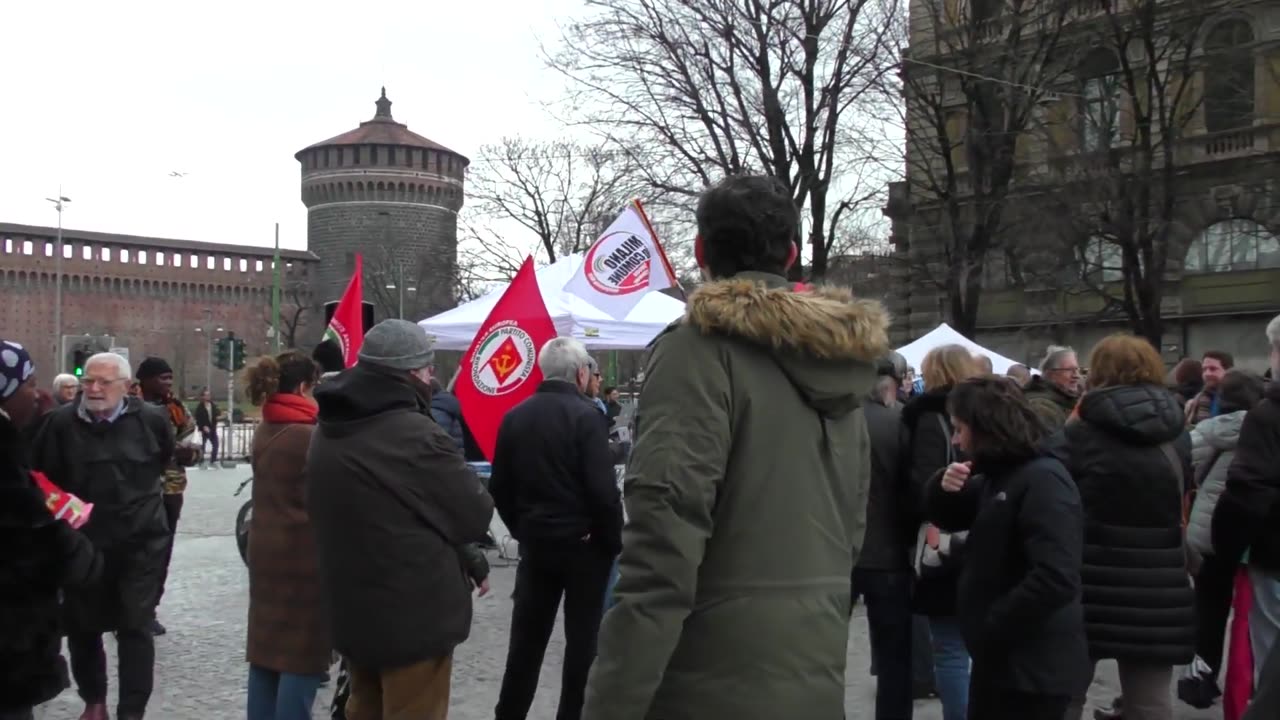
(623, 264)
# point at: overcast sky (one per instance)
(106, 99)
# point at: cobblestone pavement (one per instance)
(200, 669)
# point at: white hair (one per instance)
(561, 359)
(1273, 332)
(65, 379)
(1054, 355)
(123, 371)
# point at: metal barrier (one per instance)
(235, 442)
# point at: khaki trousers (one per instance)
(1147, 691)
(416, 692)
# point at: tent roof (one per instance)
(573, 317)
(944, 334)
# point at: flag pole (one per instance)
(662, 254)
(275, 293)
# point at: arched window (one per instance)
(1236, 244)
(1229, 76)
(1101, 260)
(1099, 101)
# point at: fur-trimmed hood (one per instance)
(824, 339)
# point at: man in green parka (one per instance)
(746, 491)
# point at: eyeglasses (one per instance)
(99, 382)
(1069, 371)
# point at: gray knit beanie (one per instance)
(397, 344)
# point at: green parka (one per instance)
(746, 497)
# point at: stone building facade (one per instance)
(392, 196)
(153, 296)
(1222, 278)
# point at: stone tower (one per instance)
(392, 196)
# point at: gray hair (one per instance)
(1054, 355)
(65, 379)
(123, 371)
(1273, 332)
(561, 359)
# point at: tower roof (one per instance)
(381, 130)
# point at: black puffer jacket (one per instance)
(929, 429)
(38, 556)
(1137, 595)
(1019, 606)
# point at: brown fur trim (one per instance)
(823, 322)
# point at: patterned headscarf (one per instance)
(15, 368)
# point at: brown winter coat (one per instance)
(288, 626)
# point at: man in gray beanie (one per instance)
(393, 504)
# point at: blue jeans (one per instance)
(950, 667)
(281, 696)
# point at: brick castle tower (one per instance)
(393, 196)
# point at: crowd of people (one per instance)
(784, 461)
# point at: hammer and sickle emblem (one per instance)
(504, 364)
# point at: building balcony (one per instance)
(1230, 144)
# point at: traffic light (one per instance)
(78, 359)
(222, 353)
(237, 354)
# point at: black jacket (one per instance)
(204, 418)
(1248, 513)
(1019, 592)
(1137, 595)
(890, 530)
(119, 467)
(38, 556)
(447, 412)
(928, 428)
(553, 477)
(393, 503)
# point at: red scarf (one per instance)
(290, 408)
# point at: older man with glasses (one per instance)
(111, 450)
(65, 388)
(1054, 392)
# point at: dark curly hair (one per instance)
(283, 373)
(1002, 424)
(1240, 390)
(747, 222)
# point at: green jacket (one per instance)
(746, 497)
(1050, 403)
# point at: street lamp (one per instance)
(59, 343)
(399, 285)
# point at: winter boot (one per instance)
(1198, 686)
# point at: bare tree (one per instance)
(296, 304)
(559, 191)
(1123, 171)
(974, 88)
(485, 261)
(693, 91)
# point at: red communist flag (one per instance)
(501, 367)
(347, 326)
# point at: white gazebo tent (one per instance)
(944, 334)
(573, 317)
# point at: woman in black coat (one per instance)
(38, 556)
(1130, 455)
(1019, 592)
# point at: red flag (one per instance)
(347, 326)
(501, 367)
(62, 504)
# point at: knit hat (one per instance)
(15, 368)
(397, 344)
(153, 367)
